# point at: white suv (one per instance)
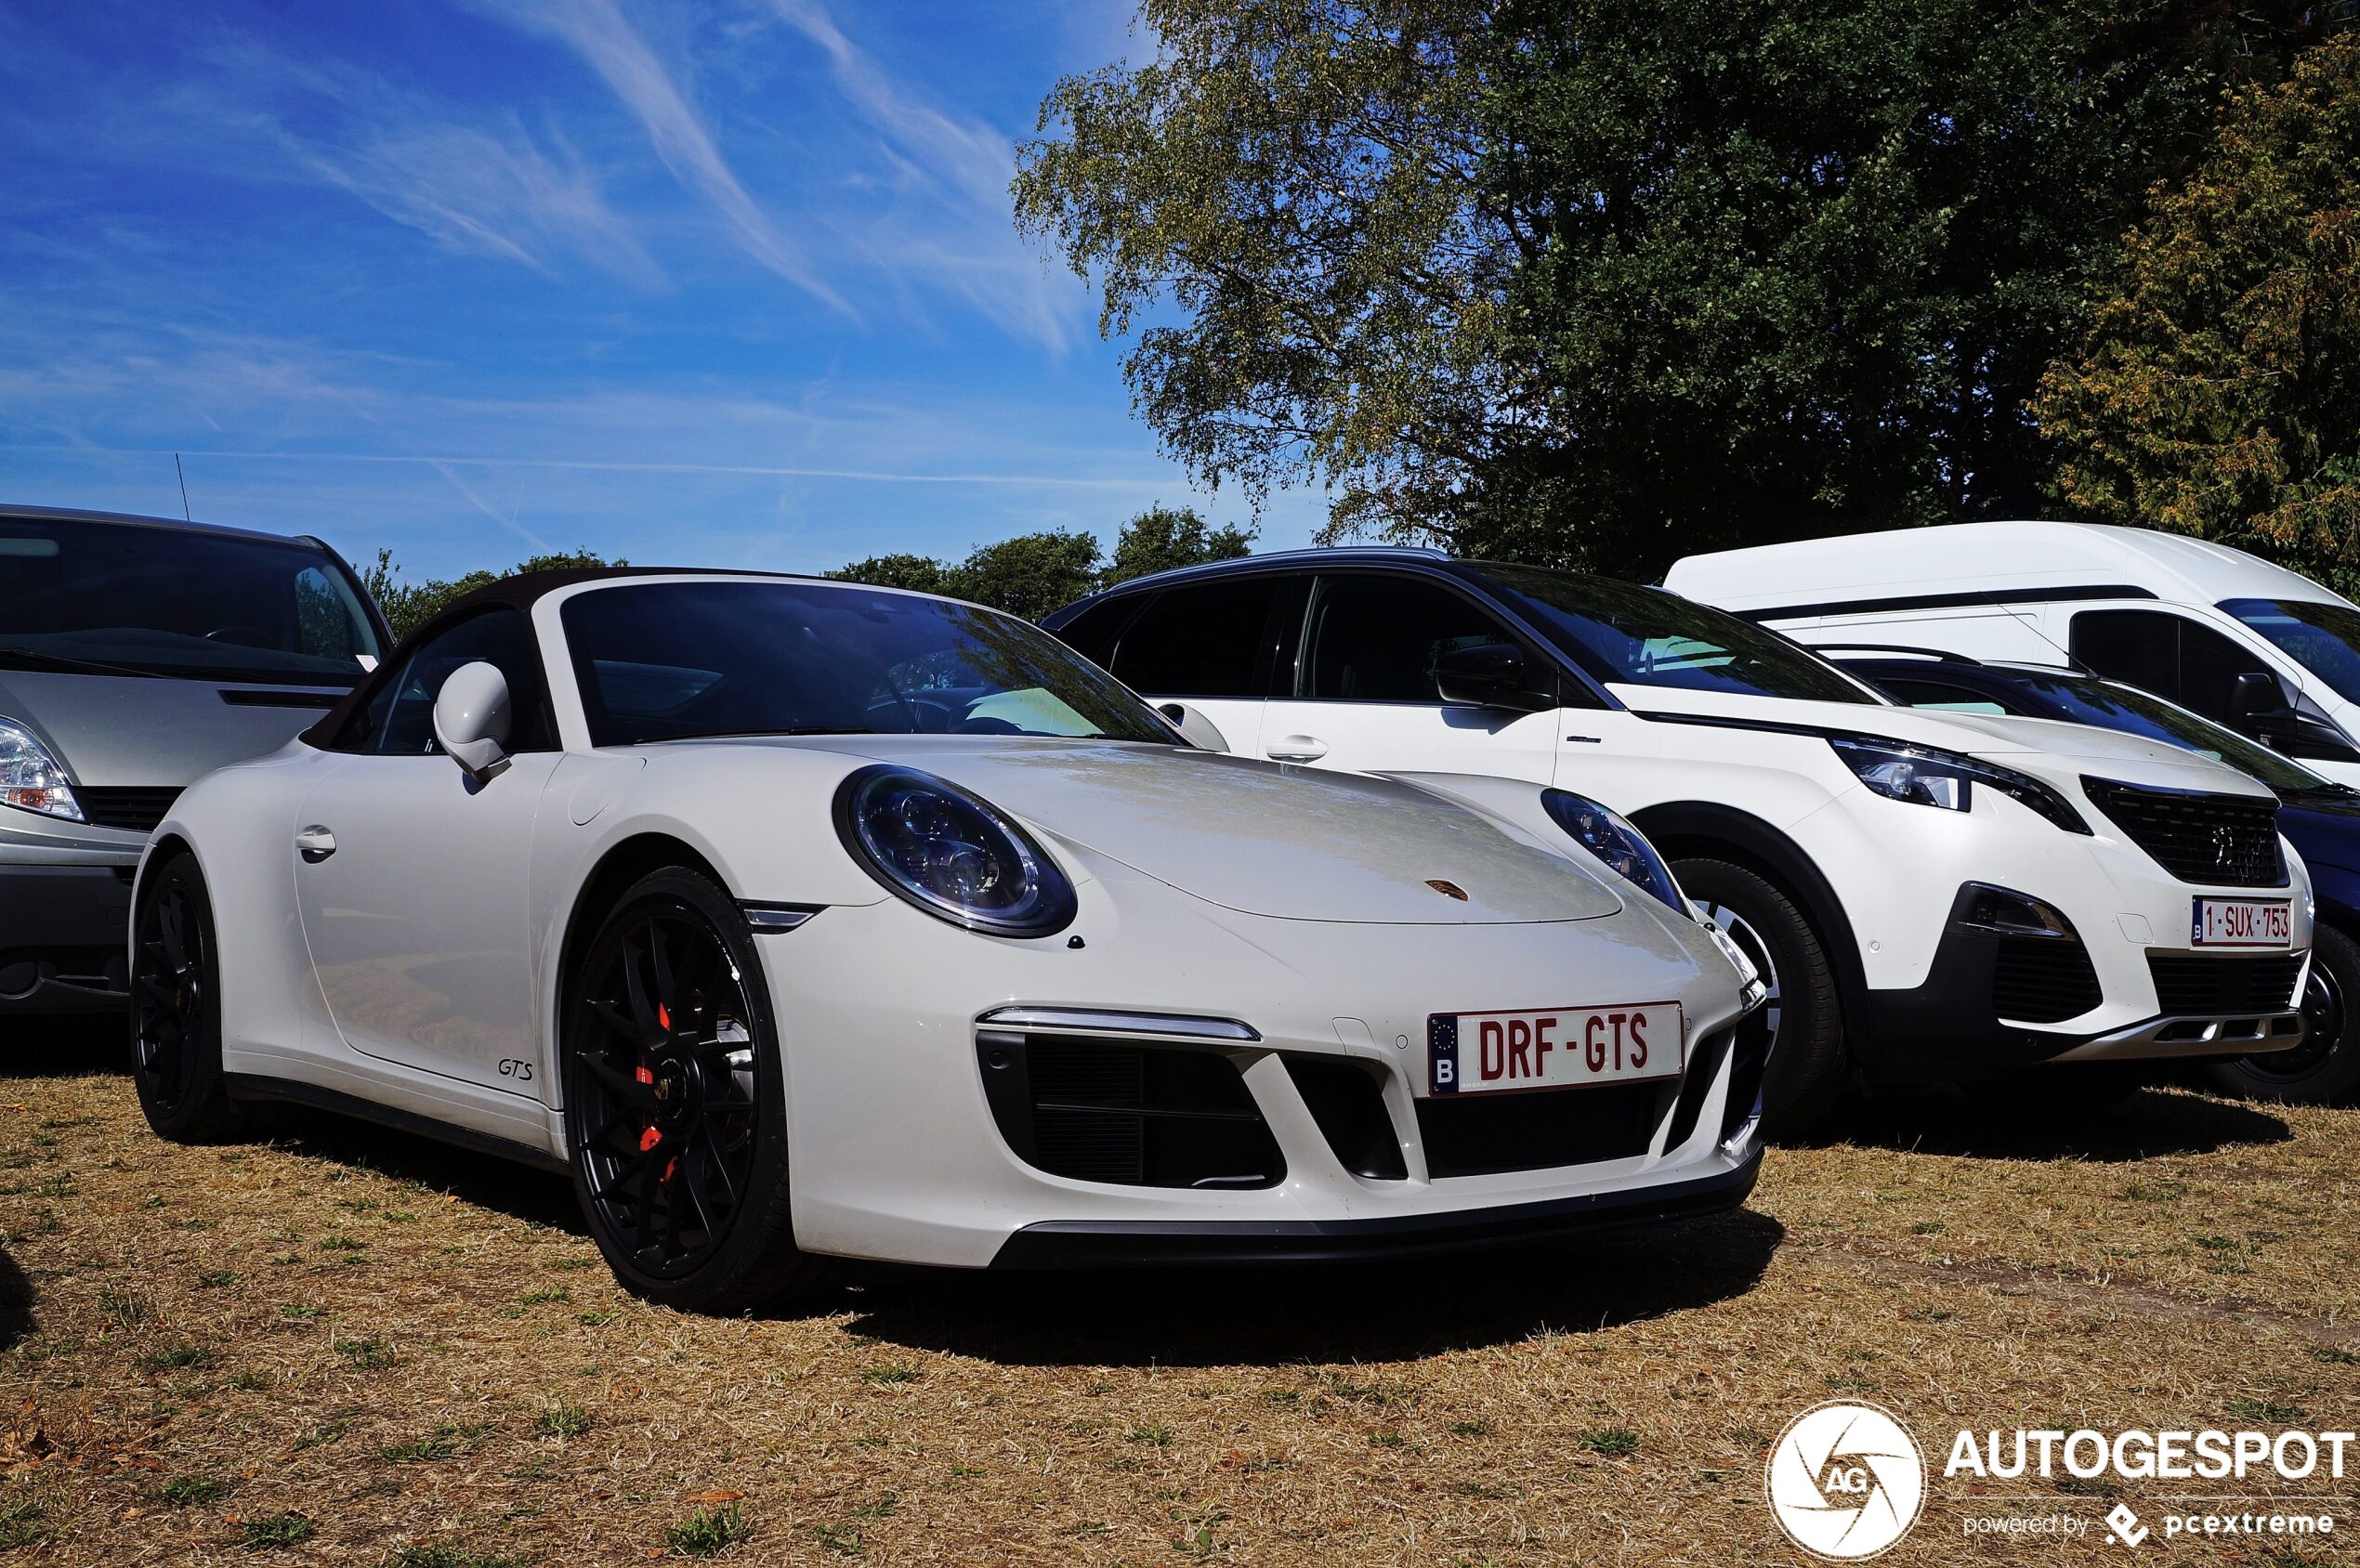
(1930, 896)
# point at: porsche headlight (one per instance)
(1925, 776)
(1607, 836)
(31, 778)
(952, 854)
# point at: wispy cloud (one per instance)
(597, 30)
(959, 235)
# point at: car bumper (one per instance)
(64, 937)
(903, 1146)
(1995, 1003)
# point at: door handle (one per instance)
(1299, 749)
(315, 842)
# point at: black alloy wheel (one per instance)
(2325, 1069)
(675, 1116)
(176, 1008)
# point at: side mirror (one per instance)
(2254, 693)
(1490, 675)
(471, 718)
(1195, 728)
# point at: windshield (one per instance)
(672, 660)
(2137, 713)
(2323, 638)
(124, 598)
(1646, 636)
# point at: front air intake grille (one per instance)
(1347, 1099)
(136, 807)
(2043, 980)
(1482, 1134)
(2220, 841)
(1129, 1114)
(2192, 986)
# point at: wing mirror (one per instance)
(1490, 675)
(2256, 695)
(1194, 728)
(471, 718)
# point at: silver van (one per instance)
(137, 654)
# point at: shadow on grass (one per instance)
(486, 1181)
(72, 1046)
(1333, 1312)
(2016, 1122)
(16, 1303)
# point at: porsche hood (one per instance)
(1260, 838)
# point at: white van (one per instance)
(2265, 650)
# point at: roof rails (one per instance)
(1328, 552)
(1939, 655)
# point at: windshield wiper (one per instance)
(25, 657)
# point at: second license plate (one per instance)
(1553, 1048)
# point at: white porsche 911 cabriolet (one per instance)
(797, 918)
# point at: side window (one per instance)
(1091, 634)
(397, 720)
(1375, 638)
(2137, 648)
(1207, 639)
(2169, 655)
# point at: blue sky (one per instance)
(714, 281)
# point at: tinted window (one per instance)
(1376, 638)
(1920, 691)
(1091, 634)
(1205, 640)
(1646, 636)
(2323, 638)
(2169, 655)
(397, 720)
(163, 601)
(2136, 712)
(673, 660)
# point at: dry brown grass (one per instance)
(407, 1348)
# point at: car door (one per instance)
(1219, 646)
(412, 877)
(1365, 696)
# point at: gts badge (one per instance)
(515, 1068)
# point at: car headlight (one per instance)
(952, 854)
(1924, 776)
(1610, 837)
(31, 778)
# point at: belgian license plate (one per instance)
(1553, 1048)
(2242, 923)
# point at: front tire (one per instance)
(1803, 1076)
(176, 1008)
(675, 1113)
(2325, 1069)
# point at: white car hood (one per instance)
(1258, 836)
(2051, 751)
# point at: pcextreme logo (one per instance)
(1845, 1480)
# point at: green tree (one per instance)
(1600, 281)
(1164, 537)
(922, 574)
(1028, 575)
(408, 606)
(2217, 390)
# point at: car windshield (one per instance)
(677, 661)
(2133, 712)
(97, 597)
(2323, 638)
(1646, 636)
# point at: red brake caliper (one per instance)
(649, 1137)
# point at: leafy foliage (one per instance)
(2217, 390)
(408, 606)
(1597, 281)
(1035, 573)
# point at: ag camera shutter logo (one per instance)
(1845, 1480)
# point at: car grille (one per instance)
(137, 807)
(2225, 840)
(2201, 986)
(1347, 1099)
(2043, 979)
(1131, 1115)
(1482, 1134)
